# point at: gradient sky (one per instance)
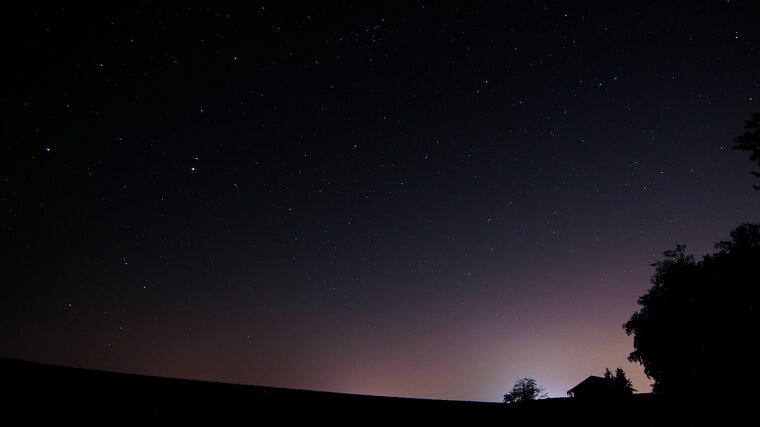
(415, 199)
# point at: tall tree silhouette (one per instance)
(698, 321)
(619, 382)
(750, 141)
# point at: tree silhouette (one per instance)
(697, 321)
(619, 382)
(750, 141)
(525, 389)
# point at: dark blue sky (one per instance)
(417, 199)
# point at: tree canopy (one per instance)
(698, 321)
(750, 141)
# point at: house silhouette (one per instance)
(596, 388)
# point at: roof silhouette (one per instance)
(592, 385)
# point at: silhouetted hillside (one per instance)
(52, 392)
(39, 389)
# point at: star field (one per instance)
(415, 199)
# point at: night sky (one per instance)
(417, 199)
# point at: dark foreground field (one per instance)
(37, 391)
